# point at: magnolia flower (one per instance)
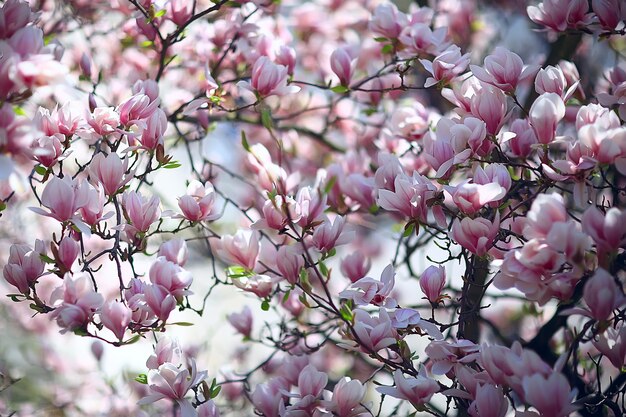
(446, 66)
(199, 203)
(503, 69)
(370, 291)
(476, 235)
(416, 390)
(268, 79)
(171, 382)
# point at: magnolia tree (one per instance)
(425, 208)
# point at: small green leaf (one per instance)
(286, 296)
(237, 271)
(266, 118)
(133, 339)
(340, 89)
(142, 379)
(182, 323)
(3, 205)
(330, 184)
(381, 39)
(19, 111)
(244, 142)
(408, 229)
(215, 391)
(331, 253)
(160, 13)
(323, 269)
(265, 305)
(172, 165)
(387, 49)
(46, 258)
(41, 170)
(81, 332)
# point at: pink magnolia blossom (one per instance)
(347, 398)
(559, 15)
(503, 69)
(170, 276)
(115, 316)
(411, 196)
(110, 171)
(159, 300)
(312, 204)
(388, 21)
(343, 65)
(241, 249)
(268, 79)
(136, 108)
(24, 265)
(551, 396)
(489, 105)
(602, 295)
(166, 350)
(47, 150)
(374, 333)
(174, 250)
(242, 321)
(417, 390)
(199, 203)
(521, 145)
(329, 235)
(471, 198)
(78, 302)
(476, 235)
(14, 15)
(546, 210)
(179, 11)
(278, 213)
(489, 402)
(432, 281)
(370, 291)
(208, 409)
(612, 344)
(444, 355)
(259, 284)
(93, 212)
(419, 39)
(172, 382)
(140, 211)
(355, 266)
(544, 116)
(606, 230)
(267, 397)
(104, 120)
(608, 12)
(446, 66)
(68, 252)
(63, 197)
(152, 133)
(290, 263)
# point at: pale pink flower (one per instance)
(612, 344)
(489, 402)
(268, 79)
(521, 145)
(444, 355)
(388, 21)
(432, 281)
(208, 409)
(551, 80)
(174, 250)
(14, 15)
(370, 291)
(104, 120)
(68, 252)
(609, 12)
(136, 108)
(171, 382)
(290, 262)
(170, 276)
(503, 69)
(63, 197)
(605, 144)
(544, 116)
(374, 333)
(311, 382)
(559, 15)
(412, 196)
(267, 397)
(343, 65)
(159, 300)
(416, 390)
(241, 249)
(546, 210)
(311, 203)
(115, 316)
(24, 265)
(606, 230)
(355, 266)
(258, 284)
(471, 198)
(47, 150)
(329, 235)
(347, 398)
(278, 213)
(78, 302)
(153, 130)
(199, 203)
(551, 396)
(419, 39)
(242, 321)
(179, 11)
(286, 55)
(446, 66)
(602, 295)
(93, 212)
(489, 105)
(110, 171)
(476, 235)
(166, 350)
(140, 212)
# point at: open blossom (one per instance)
(170, 276)
(75, 301)
(199, 203)
(419, 39)
(258, 284)
(446, 66)
(388, 21)
(241, 249)
(268, 79)
(347, 398)
(546, 210)
(471, 198)
(136, 108)
(559, 15)
(328, 235)
(370, 291)
(166, 350)
(612, 344)
(24, 265)
(374, 333)
(172, 382)
(606, 230)
(412, 197)
(503, 69)
(63, 197)
(104, 120)
(159, 300)
(476, 235)
(47, 150)
(110, 171)
(174, 250)
(355, 266)
(551, 396)
(417, 391)
(489, 402)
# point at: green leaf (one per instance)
(323, 269)
(266, 118)
(237, 271)
(265, 305)
(286, 296)
(3, 205)
(408, 229)
(160, 13)
(133, 339)
(142, 379)
(146, 44)
(381, 39)
(181, 323)
(387, 49)
(340, 89)
(46, 258)
(330, 184)
(331, 253)
(41, 170)
(19, 111)
(80, 332)
(244, 142)
(215, 391)
(172, 165)
(346, 313)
